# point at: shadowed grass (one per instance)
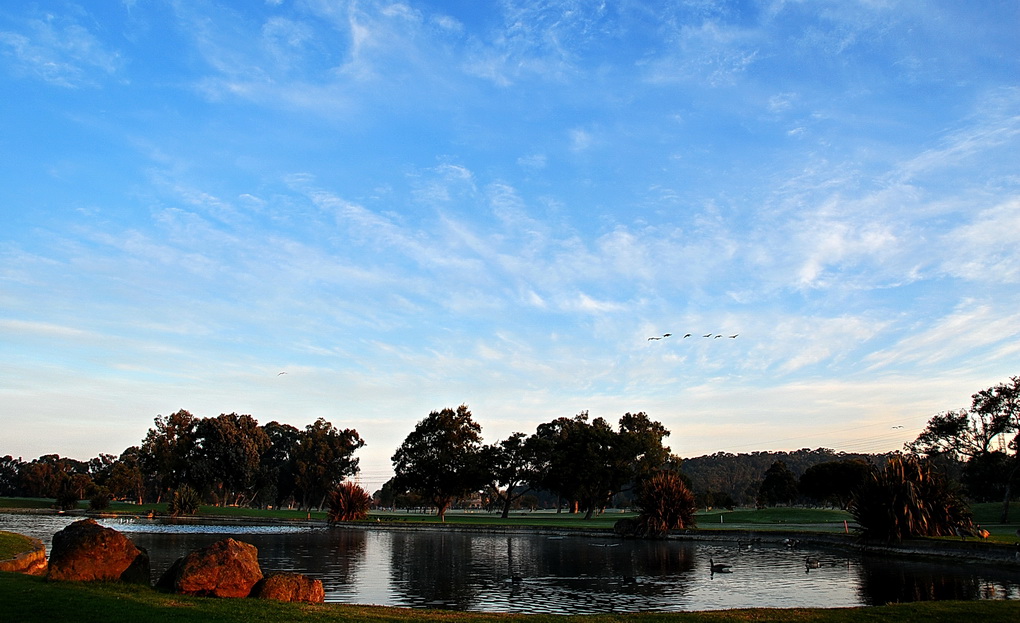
(28, 599)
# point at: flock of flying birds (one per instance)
(687, 335)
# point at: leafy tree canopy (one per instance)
(440, 458)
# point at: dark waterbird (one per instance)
(718, 567)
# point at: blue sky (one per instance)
(409, 206)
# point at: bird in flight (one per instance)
(654, 338)
(666, 334)
(281, 373)
(897, 426)
(707, 335)
(687, 336)
(734, 335)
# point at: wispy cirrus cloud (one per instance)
(59, 50)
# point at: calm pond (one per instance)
(525, 573)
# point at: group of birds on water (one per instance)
(713, 336)
(714, 567)
(810, 562)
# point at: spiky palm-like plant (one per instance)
(907, 499)
(348, 502)
(185, 501)
(666, 504)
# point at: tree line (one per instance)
(579, 462)
(228, 460)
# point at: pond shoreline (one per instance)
(970, 550)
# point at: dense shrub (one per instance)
(67, 498)
(908, 499)
(184, 501)
(100, 500)
(348, 502)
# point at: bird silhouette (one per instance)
(718, 567)
(666, 334)
(718, 336)
(654, 338)
(281, 373)
(687, 336)
(734, 335)
(707, 335)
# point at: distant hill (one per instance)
(739, 475)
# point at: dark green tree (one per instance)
(168, 451)
(779, 486)
(278, 473)
(589, 462)
(511, 466)
(834, 482)
(228, 453)
(441, 458)
(99, 468)
(983, 476)
(640, 441)
(992, 424)
(323, 458)
(126, 480)
(48, 476)
(10, 469)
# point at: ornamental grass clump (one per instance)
(909, 498)
(666, 503)
(348, 502)
(185, 501)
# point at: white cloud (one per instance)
(987, 248)
(60, 51)
(580, 139)
(961, 339)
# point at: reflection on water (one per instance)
(575, 575)
(882, 583)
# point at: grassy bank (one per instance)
(28, 599)
(12, 544)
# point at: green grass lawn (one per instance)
(12, 544)
(27, 599)
(774, 516)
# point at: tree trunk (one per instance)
(1004, 518)
(506, 506)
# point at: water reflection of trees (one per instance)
(433, 569)
(332, 555)
(883, 582)
(461, 570)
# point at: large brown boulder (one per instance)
(290, 587)
(227, 568)
(85, 551)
